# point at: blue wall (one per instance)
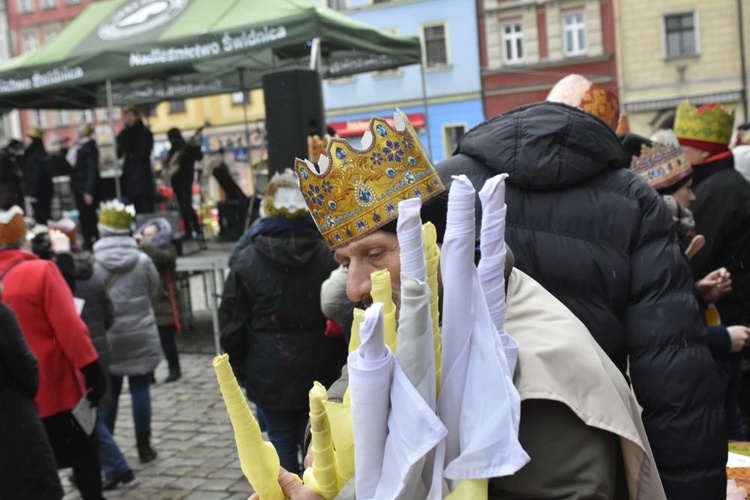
(450, 84)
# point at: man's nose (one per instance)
(357, 282)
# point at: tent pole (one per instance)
(249, 213)
(315, 55)
(111, 114)
(426, 109)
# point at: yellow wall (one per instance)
(646, 73)
(219, 110)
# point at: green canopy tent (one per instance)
(148, 51)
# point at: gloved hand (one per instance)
(96, 382)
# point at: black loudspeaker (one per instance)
(231, 219)
(294, 111)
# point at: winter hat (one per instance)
(12, 227)
(85, 130)
(115, 218)
(742, 160)
(708, 127)
(164, 235)
(665, 136)
(664, 167)
(577, 91)
(283, 198)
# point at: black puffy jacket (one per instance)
(271, 323)
(722, 215)
(599, 238)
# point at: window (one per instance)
(176, 107)
(512, 43)
(25, 6)
(680, 35)
(88, 117)
(435, 45)
(451, 135)
(574, 31)
(63, 118)
(43, 124)
(48, 4)
(237, 98)
(337, 4)
(50, 34)
(380, 1)
(32, 118)
(72, 2)
(29, 41)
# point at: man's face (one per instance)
(150, 232)
(129, 118)
(694, 155)
(376, 251)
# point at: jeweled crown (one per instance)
(710, 123)
(661, 166)
(353, 192)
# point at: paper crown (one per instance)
(662, 166)
(709, 123)
(115, 215)
(575, 90)
(35, 133)
(12, 226)
(283, 199)
(354, 192)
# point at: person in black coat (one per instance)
(84, 157)
(182, 180)
(27, 464)
(11, 175)
(134, 143)
(37, 176)
(598, 238)
(272, 326)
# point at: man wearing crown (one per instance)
(722, 215)
(599, 239)
(722, 202)
(354, 198)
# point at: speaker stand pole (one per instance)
(426, 110)
(249, 212)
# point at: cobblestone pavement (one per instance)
(191, 433)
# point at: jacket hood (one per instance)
(116, 254)
(84, 265)
(164, 235)
(545, 146)
(291, 249)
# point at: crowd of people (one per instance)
(629, 256)
(645, 241)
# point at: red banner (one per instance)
(352, 128)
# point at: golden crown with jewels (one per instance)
(353, 192)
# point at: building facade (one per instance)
(451, 102)
(33, 23)
(526, 46)
(10, 123)
(674, 50)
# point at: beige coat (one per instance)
(559, 360)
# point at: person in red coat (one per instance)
(36, 291)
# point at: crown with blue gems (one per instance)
(353, 192)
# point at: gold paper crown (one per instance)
(116, 215)
(709, 123)
(35, 133)
(283, 199)
(576, 90)
(662, 166)
(12, 226)
(357, 191)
